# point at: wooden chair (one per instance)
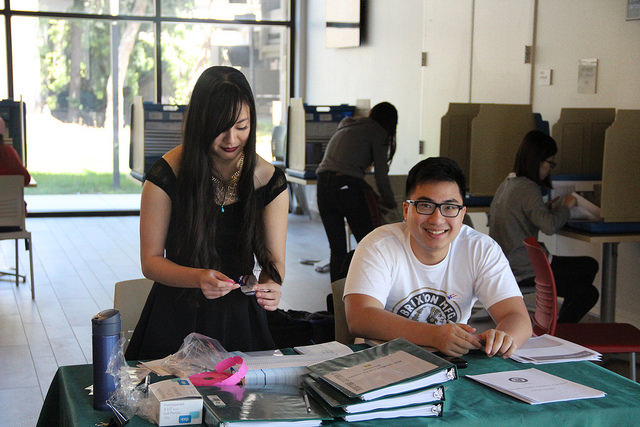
(12, 221)
(129, 299)
(342, 334)
(601, 337)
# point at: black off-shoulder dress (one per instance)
(171, 313)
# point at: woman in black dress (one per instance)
(209, 208)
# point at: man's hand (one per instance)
(455, 339)
(498, 342)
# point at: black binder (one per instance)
(394, 367)
(336, 400)
(277, 404)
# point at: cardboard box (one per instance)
(176, 402)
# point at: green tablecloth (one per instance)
(467, 402)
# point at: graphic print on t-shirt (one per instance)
(428, 305)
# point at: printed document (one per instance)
(381, 372)
(535, 387)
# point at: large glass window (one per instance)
(78, 76)
(99, 7)
(228, 10)
(64, 75)
(259, 52)
(3, 61)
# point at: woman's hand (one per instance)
(214, 284)
(268, 295)
(569, 201)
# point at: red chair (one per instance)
(601, 337)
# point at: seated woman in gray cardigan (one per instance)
(518, 211)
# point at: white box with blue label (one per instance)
(176, 402)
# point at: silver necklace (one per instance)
(227, 192)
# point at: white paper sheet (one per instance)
(331, 349)
(536, 387)
(584, 209)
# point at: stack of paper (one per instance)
(536, 387)
(394, 379)
(549, 349)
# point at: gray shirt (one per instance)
(357, 144)
(517, 212)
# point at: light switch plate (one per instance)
(544, 76)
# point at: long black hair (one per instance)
(386, 115)
(534, 149)
(214, 107)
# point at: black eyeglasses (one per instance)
(551, 163)
(423, 207)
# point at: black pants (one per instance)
(340, 197)
(574, 282)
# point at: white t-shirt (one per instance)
(475, 268)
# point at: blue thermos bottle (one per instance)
(106, 327)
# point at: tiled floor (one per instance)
(77, 262)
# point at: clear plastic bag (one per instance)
(130, 393)
(198, 353)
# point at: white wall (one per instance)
(386, 67)
(570, 30)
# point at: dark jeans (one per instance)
(574, 282)
(340, 197)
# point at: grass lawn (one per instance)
(82, 183)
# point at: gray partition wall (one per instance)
(579, 133)
(620, 171)
(496, 133)
(455, 133)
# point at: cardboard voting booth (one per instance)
(620, 171)
(484, 139)
(579, 133)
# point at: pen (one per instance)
(306, 401)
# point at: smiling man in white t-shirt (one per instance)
(419, 279)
